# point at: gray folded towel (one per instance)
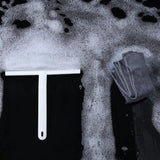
(132, 77)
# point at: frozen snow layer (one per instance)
(86, 34)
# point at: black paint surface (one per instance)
(105, 2)
(87, 0)
(133, 128)
(21, 23)
(68, 22)
(18, 124)
(147, 137)
(123, 126)
(118, 13)
(148, 18)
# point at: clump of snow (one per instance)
(55, 25)
(124, 148)
(53, 14)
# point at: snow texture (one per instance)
(86, 34)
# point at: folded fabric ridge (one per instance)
(132, 77)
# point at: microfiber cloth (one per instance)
(132, 77)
